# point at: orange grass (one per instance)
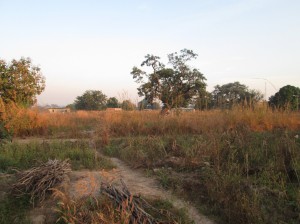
(150, 123)
(26, 122)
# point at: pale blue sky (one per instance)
(87, 44)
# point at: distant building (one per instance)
(59, 110)
(183, 109)
(113, 109)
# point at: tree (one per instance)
(202, 100)
(155, 106)
(286, 98)
(235, 93)
(20, 82)
(91, 100)
(127, 105)
(112, 102)
(71, 106)
(175, 86)
(144, 104)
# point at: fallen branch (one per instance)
(133, 205)
(38, 180)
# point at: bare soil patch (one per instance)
(83, 183)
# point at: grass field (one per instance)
(240, 166)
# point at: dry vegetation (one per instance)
(24, 123)
(242, 166)
(38, 180)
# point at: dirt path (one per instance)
(85, 182)
(88, 183)
(149, 187)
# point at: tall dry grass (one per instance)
(26, 122)
(244, 162)
(29, 122)
(151, 123)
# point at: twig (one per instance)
(38, 180)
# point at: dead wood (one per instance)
(134, 205)
(37, 181)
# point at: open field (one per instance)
(236, 166)
(25, 123)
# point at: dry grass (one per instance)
(29, 122)
(243, 164)
(113, 208)
(240, 175)
(24, 122)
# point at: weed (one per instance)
(23, 156)
(243, 164)
(13, 210)
(243, 176)
(164, 178)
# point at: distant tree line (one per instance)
(96, 100)
(287, 98)
(178, 85)
(182, 85)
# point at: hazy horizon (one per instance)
(93, 45)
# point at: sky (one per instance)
(93, 44)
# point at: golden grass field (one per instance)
(238, 166)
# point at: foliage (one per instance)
(71, 106)
(20, 81)
(4, 132)
(230, 94)
(144, 104)
(91, 100)
(243, 164)
(240, 175)
(175, 86)
(112, 102)
(286, 98)
(24, 156)
(13, 210)
(203, 100)
(127, 105)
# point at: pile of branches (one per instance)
(37, 181)
(133, 205)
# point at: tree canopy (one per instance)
(112, 102)
(91, 100)
(286, 98)
(20, 81)
(144, 104)
(175, 86)
(127, 105)
(202, 100)
(234, 93)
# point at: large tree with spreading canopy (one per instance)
(91, 100)
(175, 86)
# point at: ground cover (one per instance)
(240, 165)
(240, 175)
(82, 207)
